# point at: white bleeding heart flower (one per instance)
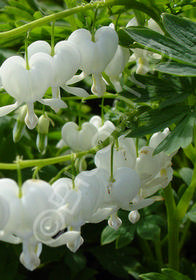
(28, 85)
(95, 55)
(124, 155)
(78, 139)
(143, 56)
(89, 135)
(26, 222)
(116, 66)
(92, 186)
(154, 170)
(65, 62)
(147, 165)
(104, 130)
(158, 137)
(125, 187)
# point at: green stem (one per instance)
(66, 168)
(18, 160)
(97, 4)
(54, 160)
(73, 158)
(112, 163)
(106, 95)
(173, 229)
(26, 52)
(52, 39)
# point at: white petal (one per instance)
(75, 245)
(39, 46)
(30, 254)
(76, 91)
(76, 78)
(99, 87)
(4, 212)
(141, 204)
(55, 103)
(4, 110)
(31, 119)
(6, 237)
(64, 238)
(66, 61)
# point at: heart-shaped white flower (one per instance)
(26, 221)
(78, 139)
(28, 85)
(65, 63)
(96, 55)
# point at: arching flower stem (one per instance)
(97, 4)
(54, 160)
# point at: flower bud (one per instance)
(19, 126)
(42, 136)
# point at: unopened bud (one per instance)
(19, 126)
(80, 164)
(42, 136)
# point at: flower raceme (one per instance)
(91, 197)
(154, 172)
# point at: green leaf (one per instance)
(161, 44)
(109, 235)
(173, 275)
(157, 119)
(115, 261)
(175, 68)
(166, 274)
(192, 214)
(148, 228)
(153, 276)
(181, 136)
(186, 173)
(182, 30)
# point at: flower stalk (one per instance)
(63, 14)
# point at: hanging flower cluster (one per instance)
(121, 180)
(27, 79)
(36, 212)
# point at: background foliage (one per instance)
(166, 99)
